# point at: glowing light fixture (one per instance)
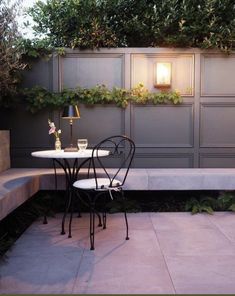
(162, 77)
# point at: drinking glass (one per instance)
(82, 144)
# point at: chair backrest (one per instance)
(118, 146)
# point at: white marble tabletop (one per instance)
(69, 155)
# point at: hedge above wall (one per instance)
(143, 23)
(38, 98)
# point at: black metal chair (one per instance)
(105, 181)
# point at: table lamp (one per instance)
(71, 113)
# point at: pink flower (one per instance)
(51, 124)
(53, 130)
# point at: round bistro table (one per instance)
(71, 163)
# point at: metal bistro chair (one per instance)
(109, 183)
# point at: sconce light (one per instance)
(71, 112)
(162, 77)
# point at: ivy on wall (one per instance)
(38, 98)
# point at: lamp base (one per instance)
(71, 149)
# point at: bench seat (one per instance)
(19, 184)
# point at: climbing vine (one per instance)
(38, 98)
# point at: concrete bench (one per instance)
(18, 185)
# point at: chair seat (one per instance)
(103, 183)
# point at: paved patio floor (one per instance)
(167, 253)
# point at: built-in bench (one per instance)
(18, 185)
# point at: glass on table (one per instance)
(82, 144)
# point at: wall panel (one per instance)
(162, 125)
(214, 160)
(217, 75)
(217, 125)
(163, 160)
(96, 123)
(182, 71)
(40, 74)
(89, 70)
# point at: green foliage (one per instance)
(201, 204)
(73, 23)
(38, 98)
(116, 205)
(226, 201)
(34, 49)
(10, 54)
(140, 95)
(142, 23)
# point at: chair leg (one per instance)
(124, 210)
(92, 225)
(79, 211)
(99, 217)
(66, 210)
(104, 216)
(104, 220)
(45, 219)
(71, 212)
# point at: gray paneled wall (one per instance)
(88, 70)
(198, 133)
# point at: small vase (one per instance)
(57, 144)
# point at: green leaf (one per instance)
(232, 208)
(207, 209)
(195, 209)
(38, 98)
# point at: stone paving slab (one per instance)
(168, 253)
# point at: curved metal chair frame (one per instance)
(120, 147)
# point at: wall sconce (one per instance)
(162, 77)
(71, 113)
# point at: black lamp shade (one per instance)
(71, 112)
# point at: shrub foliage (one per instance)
(142, 23)
(10, 53)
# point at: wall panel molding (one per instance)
(142, 69)
(217, 75)
(217, 125)
(217, 160)
(163, 160)
(162, 125)
(88, 70)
